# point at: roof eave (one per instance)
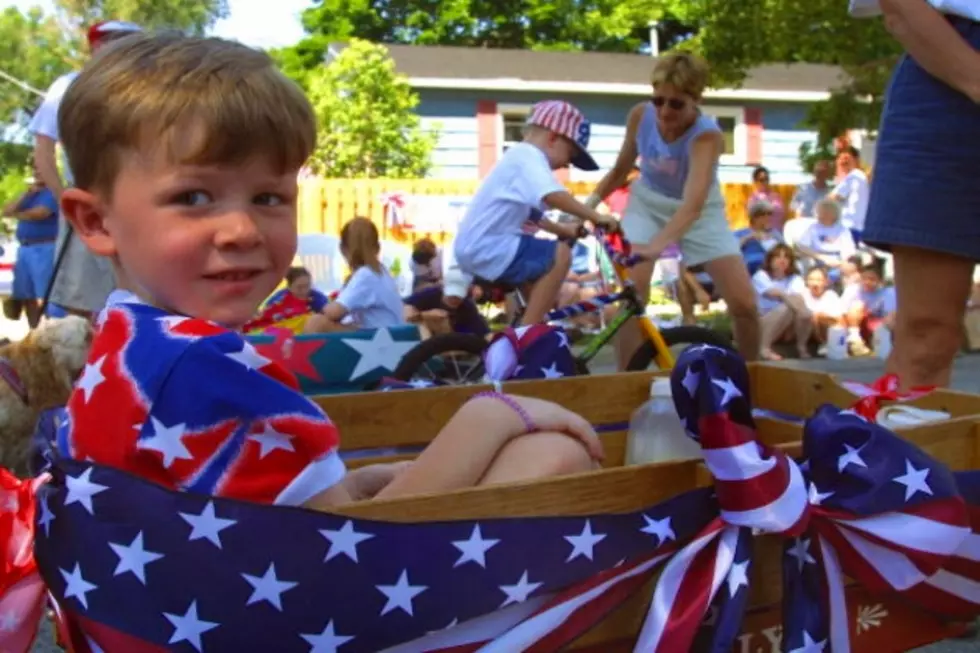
(606, 88)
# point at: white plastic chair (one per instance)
(794, 229)
(320, 254)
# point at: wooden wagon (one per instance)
(409, 419)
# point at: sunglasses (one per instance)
(674, 103)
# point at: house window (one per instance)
(512, 120)
(733, 129)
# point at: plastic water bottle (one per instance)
(881, 341)
(837, 343)
(656, 432)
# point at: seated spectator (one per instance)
(867, 306)
(369, 298)
(827, 242)
(759, 238)
(287, 307)
(694, 285)
(446, 308)
(824, 304)
(782, 309)
(426, 264)
(584, 280)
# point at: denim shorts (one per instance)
(924, 188)
(534, 258)
(32, 270)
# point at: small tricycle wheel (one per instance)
(454, 358)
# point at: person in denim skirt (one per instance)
(925, 201)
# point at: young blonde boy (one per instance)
(491, 243)
(186, 152)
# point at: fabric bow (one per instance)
(864, 503)
(885, 389)
(394, 204)
(538, 351)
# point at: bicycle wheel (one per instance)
(453, 358)
(645, 356)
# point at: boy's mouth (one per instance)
(234, 275)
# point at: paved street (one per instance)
(966, 378)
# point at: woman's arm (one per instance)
(705, 151)
(334, 312)
(624, 162)
(934, 44)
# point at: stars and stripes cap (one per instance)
(566, 120)
(104, 28)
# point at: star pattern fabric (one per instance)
(193, 406)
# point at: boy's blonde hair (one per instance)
(685, 71)
(206, 100)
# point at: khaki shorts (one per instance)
(709, 238)
(84, 280)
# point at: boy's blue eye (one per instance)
(269, 199)
(192, 198)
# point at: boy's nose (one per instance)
(238, 229)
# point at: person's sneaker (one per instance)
(859, 348)
(822, 351)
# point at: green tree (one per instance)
(599, 25)
(737, 35)
(36, 47)
(367, 121)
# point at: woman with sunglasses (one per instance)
(677, 198)
(924, 204)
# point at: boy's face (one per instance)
(560, 151)
(870, 281)
(209, 242)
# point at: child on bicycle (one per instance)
(186, 152)
(490, 243)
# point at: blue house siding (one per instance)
(453, 113)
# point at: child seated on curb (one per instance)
(186, 152)
(291, 305)
(369, 299)
(490, 243)
(447, 308)
(868, 305)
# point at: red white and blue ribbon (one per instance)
(395, 207)
(136, 567)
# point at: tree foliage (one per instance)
(36, 47)
(366, 114)
(737, 35)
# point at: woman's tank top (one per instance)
(664, 166)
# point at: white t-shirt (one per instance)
(490, 232)
(854, 190)
(45, 119)
(372, 299)
(763, 282)
(832, 240)
(829, 303)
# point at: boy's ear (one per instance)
(85, 214)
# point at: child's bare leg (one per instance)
(538, 455)
(773, 324)
(545, 289)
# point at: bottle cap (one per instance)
(661, 387)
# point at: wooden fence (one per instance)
(326, 204)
